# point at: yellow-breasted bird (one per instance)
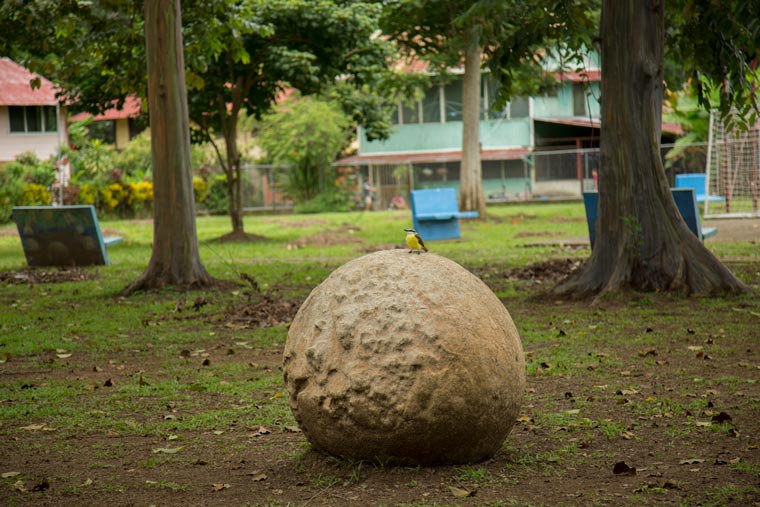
(414, 241)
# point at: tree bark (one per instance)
(175, 258)
(642, 243)
(470, 180)
(234, 168)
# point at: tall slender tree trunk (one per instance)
(234, 175)
(641, 241)
(470, 173)
(175, 258)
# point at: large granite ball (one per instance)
(404, 357)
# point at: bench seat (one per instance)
(436, 215)
(62, 235)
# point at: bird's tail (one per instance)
(424, 249)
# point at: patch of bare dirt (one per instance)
(39, 275)
(329, 237)
(539, 234)
(546, 273)
(240, 237)
(306, 222)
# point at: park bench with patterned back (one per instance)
(62, 235)
(685, 201)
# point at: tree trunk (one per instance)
(642, 243)
(470, 180)
(175, 258)
(234, 174)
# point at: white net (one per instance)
(733, 170)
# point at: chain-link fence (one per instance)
(556, 174)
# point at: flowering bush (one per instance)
(140, 197)
(34, 195)
(200, 188)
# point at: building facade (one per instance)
(31, 118)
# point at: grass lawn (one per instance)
(172, 398)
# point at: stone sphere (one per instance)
(407, 358)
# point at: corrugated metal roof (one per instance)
(16, 90)
(431, 156)
(580, 121)
(130, 109)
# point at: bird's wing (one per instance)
(422, 244)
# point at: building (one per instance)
(116, 126)
(31, 118)
(535, 147)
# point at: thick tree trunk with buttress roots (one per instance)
(641, 241)
(175, 259)
(471, 184)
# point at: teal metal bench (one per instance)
(685, 201)
(62, 235)
(435, 213)
(697, 181)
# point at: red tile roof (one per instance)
(130, 109)
(16, 90)
(579, 77)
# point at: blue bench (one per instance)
(62, 235)
(685, 201)
(435, 213)
(697, 181)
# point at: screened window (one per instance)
(453, 94)
(431, 105)
(410, 113)
(33, 118)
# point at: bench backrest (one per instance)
(684, 198)
(434, 200)
(692, 180)
(60, 235)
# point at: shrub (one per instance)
(11, 189)
(326, 201)
(217, 200)
(140, 198)
(34, 195)
(200, 189)
(112, 197)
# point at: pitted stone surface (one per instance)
(405, 357)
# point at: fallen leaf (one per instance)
(695, 348)
(293, 429)
(621, 468)
(167, 450)
(721, 418)
(19, 486)
(87, 482)
(63, 356)
(691, 461)
(42, 486)
(461, 492)
(259, 477)
(37, 427)
(261, 430)
(220, 486)
(8, 475)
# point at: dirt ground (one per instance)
(679, 454)
(630, 447)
